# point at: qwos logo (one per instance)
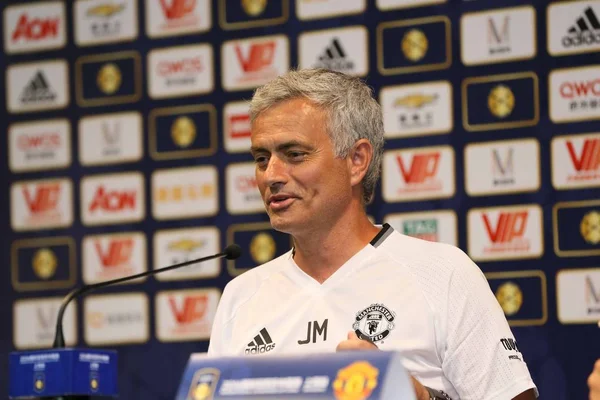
(41, 204)
(39, 145)
(34, 27)
(575, 94)
(112, 199)
(418, 173)
(243, 195)
(511, 232)
(185, 314)
(576, 161)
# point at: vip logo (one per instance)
(503, 167)
(510, 228)
(185, 314)
(262, 343)
(243, 195)
(589, 159)
(498, 37)
(418, 173)
(585, 30)
(34, 27)
(576, 161)
(105, 21)
(112, 198)
(113, 256)
(177, 17)
(179, 71)
(41, 204)
(117, 254)
(251, 62)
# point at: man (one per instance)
(317, 141)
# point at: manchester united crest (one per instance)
(374, 322)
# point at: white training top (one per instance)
(427, 300)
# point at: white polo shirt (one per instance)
(427, 300)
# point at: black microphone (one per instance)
(230, 252)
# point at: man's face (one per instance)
(304, 187)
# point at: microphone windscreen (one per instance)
(233, 251)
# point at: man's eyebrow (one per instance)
(281, 147)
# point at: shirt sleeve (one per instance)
(219, 336)
(481, 357)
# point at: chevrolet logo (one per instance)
(415, 100)
(187, 245)
(106, 10)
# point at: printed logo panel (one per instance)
(511, 101)
(243, 196)
(507, 34)
(577, 228)
(578, 296)
(42, 145)
(505, 233)
(34, 323)
(249, 63)
(113, 256)
(310, 9)
(111, 319)
(418, 173)
(42, 204)
(103, 21)
(506, 166)
(344, 50)
(175, 246)
(395, 4)
(260, 243)
(574, 94)
(417, 109)
(522, 295)
(434, 226)
(113, 78)
(34, 27)
(112, 198)
(576, 161)
(184, 315)
(185, 192)
(237, 130)
(37, 86)
(180, 71)
(177, 17)
(183, 132)
(110, 138)
(573, 27)
(43, 264)
(252, 13)
(424, 44)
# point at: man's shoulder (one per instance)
(249, 281)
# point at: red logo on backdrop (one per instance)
(114, 200)
(184, 66)
(246, 183)
(587, 164)
(422, 172)
(42, 141)
(583, 95)
(179, 13)
(42, 203)
(32, 29)
(116, 257)
(190, 313)
(239, 126)
(508, 233)
(259, 62)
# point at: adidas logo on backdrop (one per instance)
(586, 30)
(261, 343)
(37, 90)
(334, 58)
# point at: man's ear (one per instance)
(359, 160)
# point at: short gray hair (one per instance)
(352, 111)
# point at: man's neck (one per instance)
(321, 253)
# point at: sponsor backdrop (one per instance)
(126, 141)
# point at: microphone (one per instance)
(231, 252)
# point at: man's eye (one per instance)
(260, 159)
(295, 154)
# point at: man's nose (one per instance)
(275, 173)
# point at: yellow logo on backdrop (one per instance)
(183, 131)
(510, 297)
(501, 101)
(355, 382)
(184, 192)
(414, 45)
(262, 247)
(106, 10)
(254, 7)
(415, 100)
(590, 227)
(45, 263)
(109, 78)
